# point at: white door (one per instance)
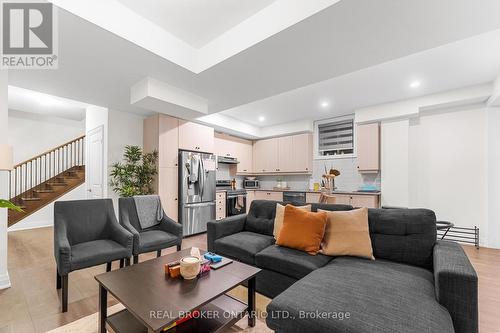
(95, 165)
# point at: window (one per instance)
(335, 137)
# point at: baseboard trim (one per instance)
(13, 228)
(5, 281)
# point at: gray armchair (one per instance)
(86, 234)
(166, 234)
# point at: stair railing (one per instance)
(26, 177)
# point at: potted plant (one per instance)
(136, 174)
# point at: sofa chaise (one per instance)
(416, 284)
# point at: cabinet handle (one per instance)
(175, 199)
(245, 170)
(228, 154)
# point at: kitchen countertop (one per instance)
(310, 191)
(307, 191)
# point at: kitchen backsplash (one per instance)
(349, 180)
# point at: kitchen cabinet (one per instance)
(265, 156)
(241, 149)
(368, 201)
(196, 137)
(220, 205)
(312, 197)
(168, 192)
(168, 140)
(268, 195)
(355, 200)
(368, 147)
(287, 154)
(245, 157)
(302, 152)
(161, 133)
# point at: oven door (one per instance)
(236, 204)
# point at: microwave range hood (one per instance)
(227, 160)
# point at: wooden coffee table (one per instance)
(154, 301)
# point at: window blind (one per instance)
(336, 137)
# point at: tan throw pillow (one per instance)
(347, 234)
(302, 230)
(280, 214)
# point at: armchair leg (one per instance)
(127, 261)
(122, 261)
(108, 266)
(58, 280)
(179, 247)
(158, 253)
(136, 259)
(64, 294)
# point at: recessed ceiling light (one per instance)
(324, 104)
(262, 118)
(415, 84)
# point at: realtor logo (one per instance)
(29, 38)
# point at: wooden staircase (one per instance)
(37, 182)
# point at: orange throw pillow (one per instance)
(347, 234)
(280, 215)
(302, 230)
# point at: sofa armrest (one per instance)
(224, 227)
(172, 227)
(125, 222)
(62, 248)
(456, 285)
(117, 232)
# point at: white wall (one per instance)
(32, 134)
(125, 129)
(45, 216)
(448, 166)
(493, 116)
(4, 180)
(96, 116)
(434, 155)
(394, 182)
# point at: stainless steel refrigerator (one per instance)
(196, 191)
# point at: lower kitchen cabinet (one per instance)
(368, 201)
(268, 195)
(313, 197)
(220, 205)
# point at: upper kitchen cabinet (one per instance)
(287, 154)
(161, 133)
(241, 149)
(196, 137)
(368, 147)
(302, 152)
(265, 156)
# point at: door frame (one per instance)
(103, 169)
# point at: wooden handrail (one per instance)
(48, 152)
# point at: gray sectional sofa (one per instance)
(416, 284)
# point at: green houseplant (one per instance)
(134, 176)
(9, 205)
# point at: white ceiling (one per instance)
(354, 53)
(467, 62)
(196, 22)
(48, 105)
